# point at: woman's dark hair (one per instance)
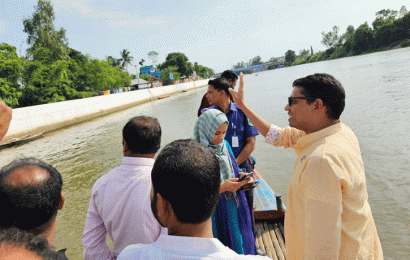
(325, 87)
(187, 175)
(220, 84)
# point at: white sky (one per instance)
(216, 34)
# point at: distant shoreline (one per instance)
(29, 122)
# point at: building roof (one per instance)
(141, 81)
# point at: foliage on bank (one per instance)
(389, 29)
(51, 70)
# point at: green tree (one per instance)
(331, 38)
(171, 69)
(146, 77)
(403, 11)
(239, 65)
(141, 62)
(10, 73)
(403, 27)
(362, 38)
(383, 17)
(273, 59)
(304, 52)
(255, 61)
(386, 34)
(41, 32)
(126, 58)
(113, 61)
(290, 57)
(179, 60)
(153, 56)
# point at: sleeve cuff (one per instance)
(272, 134)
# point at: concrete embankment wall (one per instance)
(30, 121)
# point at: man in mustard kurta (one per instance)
(328, 214)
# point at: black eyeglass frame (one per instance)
(290, 99)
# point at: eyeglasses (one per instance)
(291, 99)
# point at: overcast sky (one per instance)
(216, 34)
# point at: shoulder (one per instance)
(104, 180)
(132, 252)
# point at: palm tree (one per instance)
(126, 59)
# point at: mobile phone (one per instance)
(246, 176)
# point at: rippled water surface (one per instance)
(377, 109)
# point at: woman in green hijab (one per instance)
(232, 223)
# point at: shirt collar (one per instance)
(138, 161)
(305, 141)
(233, 106)
(189, 244)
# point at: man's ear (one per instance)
(319, 106)
(165, 211)
(62, 201)
(124, 147)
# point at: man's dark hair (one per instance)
(11, 238)
(187, 175)
(325, 87)
(142, 134)
(220, 84)
(30, 207)
(229, 74)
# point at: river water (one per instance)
(377, 109)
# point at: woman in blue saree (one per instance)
(232, 222)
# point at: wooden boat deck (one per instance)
(269, 216)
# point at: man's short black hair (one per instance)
(229, 74)
(220, 84)
(29, 207)
(187, 175)
(142, 134)
(11, 238)
(325, 87)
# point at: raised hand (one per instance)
(238, 97)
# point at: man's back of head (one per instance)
(19, 244)
(30, 193)
(186, 174)
(142, 135)
(230, 76)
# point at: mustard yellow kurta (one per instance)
(328, 215)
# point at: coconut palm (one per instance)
(126, 59)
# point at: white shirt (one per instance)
(120, 205)
(177, 247)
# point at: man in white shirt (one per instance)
(120, 200)
(185, 191)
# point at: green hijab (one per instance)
(204, 131)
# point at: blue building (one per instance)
(151, 70)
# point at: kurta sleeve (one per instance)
(285, 137)
(94, 237)
(322, 203)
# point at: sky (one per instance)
(214, 33)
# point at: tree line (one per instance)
(390, 28)
(51, 71)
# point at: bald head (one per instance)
(30, 193)
(30, 175)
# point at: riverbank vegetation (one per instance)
(390, 29)
(51, 71)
